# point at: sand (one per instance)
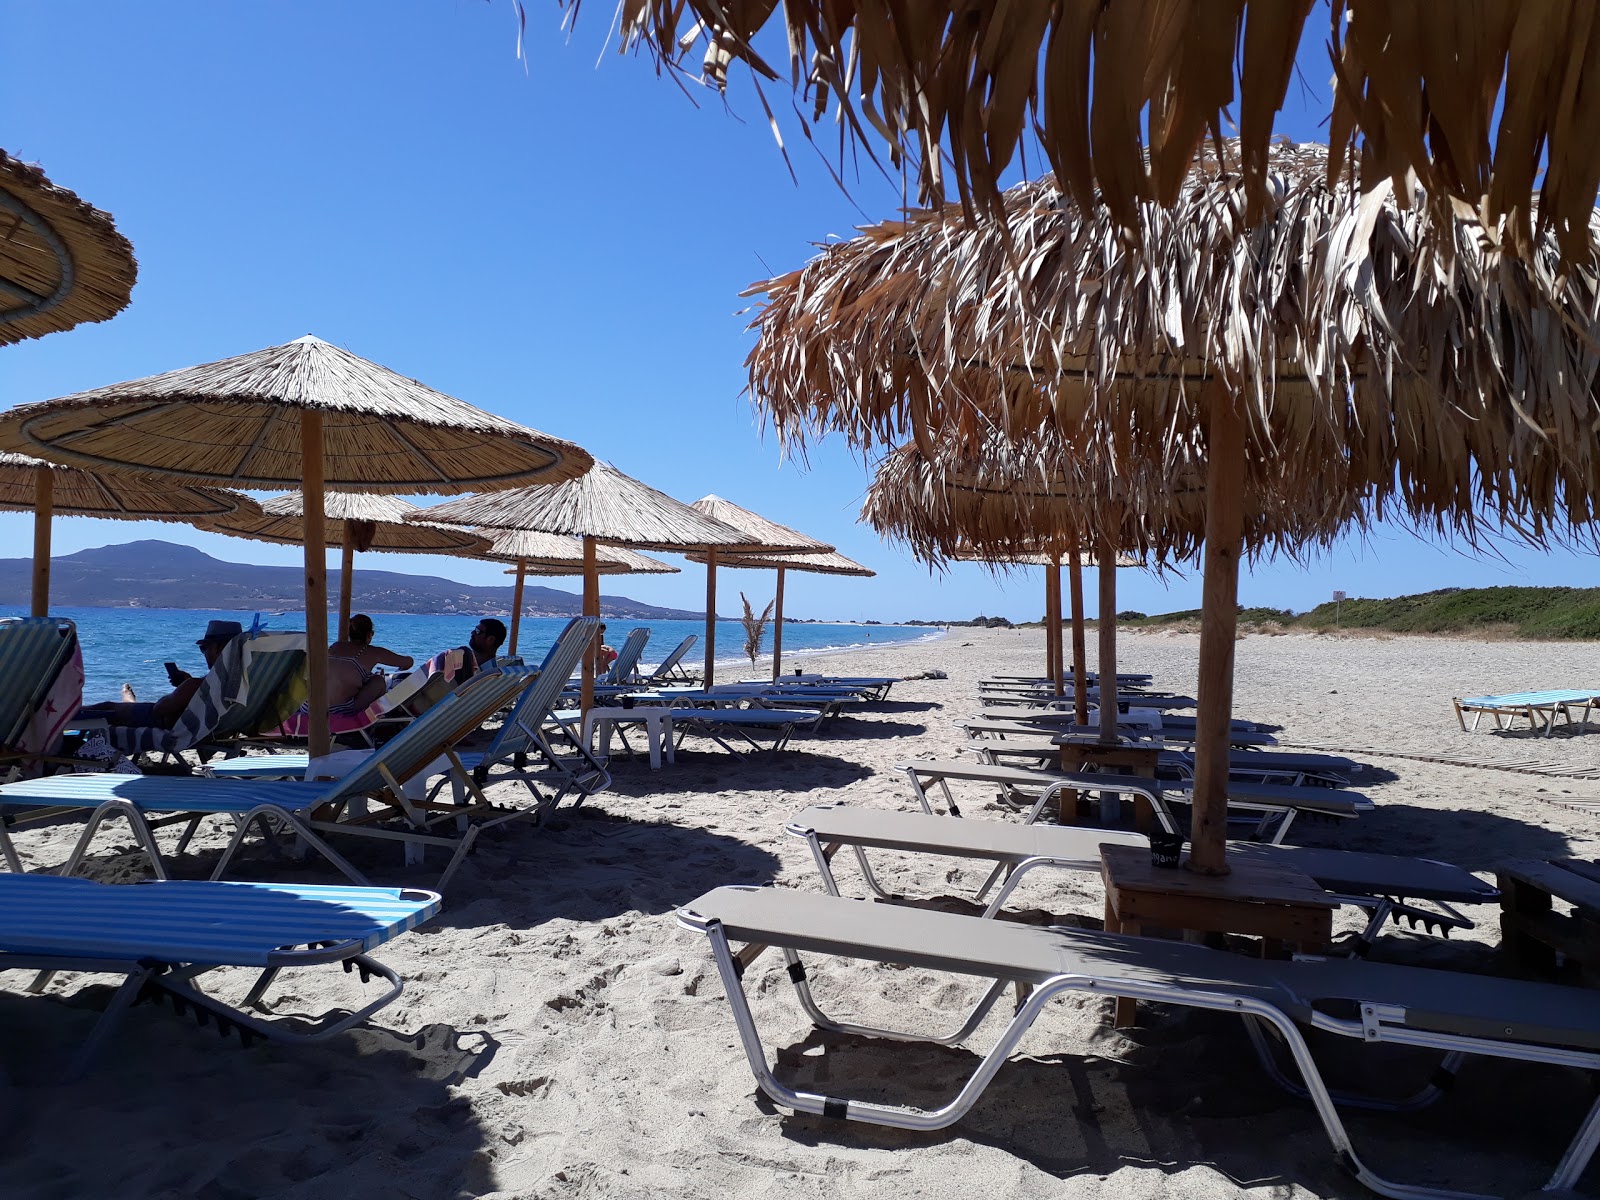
(561, 1036)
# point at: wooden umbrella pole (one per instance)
(1108, 643)
(318, 739)
(516, 604)
(1057, 666)
(1219, 621)
(711, 615)
(1050, 633)
(347, 571)
(591, 608)
(777, 630)
(1080, 654)
(44, 503)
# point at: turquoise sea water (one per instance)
(129, 645)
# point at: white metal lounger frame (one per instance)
(1375, 1023)
(1283, 813)
(704, 723)
(1380, 909)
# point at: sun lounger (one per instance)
(1460, 1015)
(162, 936)
(298, 806)
(1180, 734)
(875, 685)
(390, 711)
(1270, 808)
(1388, 887)
(620, 677)
(1539, 709)
(41, 687)
(670, 667)
(243, 687)
(1266, 766)
(744, 725)
(521, 736)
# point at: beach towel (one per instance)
(42, 734)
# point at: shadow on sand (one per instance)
(1174, 1097)
(219, 1121)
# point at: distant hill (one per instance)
(155, 574)
(1526, 612)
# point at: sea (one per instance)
(129, 645)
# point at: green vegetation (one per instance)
(1526, 612)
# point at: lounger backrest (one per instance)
(272, 685)
(628, 657)
(435, 731)
(665, 668)
(521, 728)
(32, 653)
(197, 721)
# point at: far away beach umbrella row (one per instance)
(307, 415)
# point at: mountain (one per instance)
(155, 574)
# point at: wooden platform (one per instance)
(1562, 942)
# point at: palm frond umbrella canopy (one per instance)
(62, 261)
(602, 507)
(766, 537)
(49, 489)
(1482, 103)
(1326, 350)
(830, 563)
(305, 415)
(352, 521)
(550, 554)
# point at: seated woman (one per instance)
(353, 680)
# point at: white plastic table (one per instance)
(657, 724)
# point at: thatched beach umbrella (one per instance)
(1324, 353)
(766, 537)
(62, 262)
(306, 415)
(830, 563)
(602, 507)
(1480, 102)
(49, 489)
(352, 521)
(550, 554)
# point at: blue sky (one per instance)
(561, 240)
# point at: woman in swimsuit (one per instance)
(353, 681)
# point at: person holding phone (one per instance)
(164, 713)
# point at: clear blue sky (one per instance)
(561, 240)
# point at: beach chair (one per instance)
(1387, 887)
(41, 687)
(1370, 1003)
(245, 684)
(162, 936)
(520, 736)
(416, 690)
(1539, 709)
(669, 668)
(625, 667)
(1269, 809)
(306, 808)
(746, 726)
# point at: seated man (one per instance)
(477, 655)
(164, 713)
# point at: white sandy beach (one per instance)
(562, 1036)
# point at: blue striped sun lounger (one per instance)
(1539, 709)
(163, 935)
(520, 738)
(306, 809)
